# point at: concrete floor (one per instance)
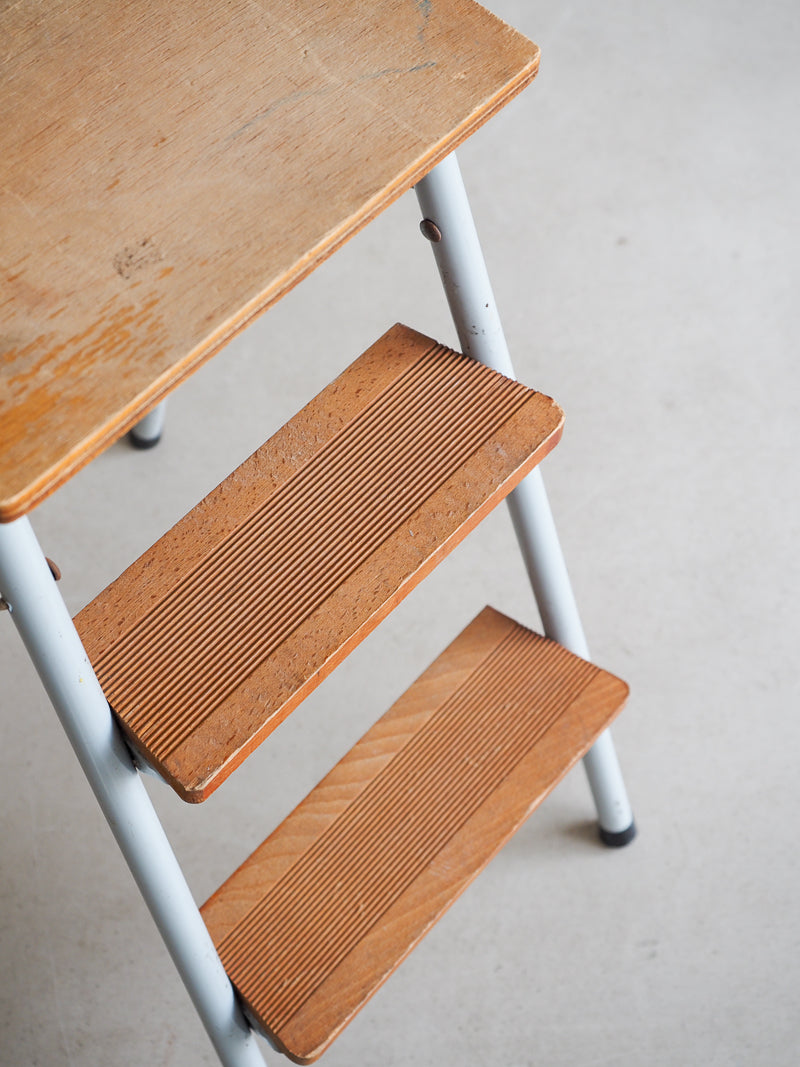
(639, 211)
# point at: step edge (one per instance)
(590, 727)
(414, 346)
(200, 789)
(309, 1053)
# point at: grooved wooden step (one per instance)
(216, 634)
(168, 171)
(328, 906)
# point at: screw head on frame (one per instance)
(430, 230)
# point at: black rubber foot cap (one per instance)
(619, 838)
(143, 442)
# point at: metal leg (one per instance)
(39, 613)
(147, 432)
(448, 224)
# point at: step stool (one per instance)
(167, 176)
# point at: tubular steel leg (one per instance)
(448, 224)
(147, 431)
(45, 626)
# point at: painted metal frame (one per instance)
(42, 619)
(147, 431)
(449, 226)
(40, 615)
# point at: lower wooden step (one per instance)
(210, 639)
(327, 907)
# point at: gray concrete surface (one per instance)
(639, 211)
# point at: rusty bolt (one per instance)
(430, 230)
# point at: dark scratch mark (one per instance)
(424, 7)
(134, 258)
(292, 98)
(397, 70)
(307, 94)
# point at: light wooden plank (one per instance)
(167, 171)
(321, 914)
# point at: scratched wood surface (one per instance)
(169, 170)
(207, 642)
(327, 907)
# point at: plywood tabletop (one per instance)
(168, 171)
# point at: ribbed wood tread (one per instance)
(207, 642)
(327, 907)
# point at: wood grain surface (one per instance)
(207, 642)
(320, 914)
(167, 171)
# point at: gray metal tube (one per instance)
(456, 248)
(147, 431)
(46, 628)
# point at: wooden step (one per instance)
(327, 907)
(216, 634)
(195, 164)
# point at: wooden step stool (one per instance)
(195, 164)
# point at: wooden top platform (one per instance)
(167, 171)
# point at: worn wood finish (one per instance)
(167, 171)
(321, 914)
(209, 640)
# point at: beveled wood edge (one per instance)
(24, 502)
(116, 426)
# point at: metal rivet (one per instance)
(430, 230)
